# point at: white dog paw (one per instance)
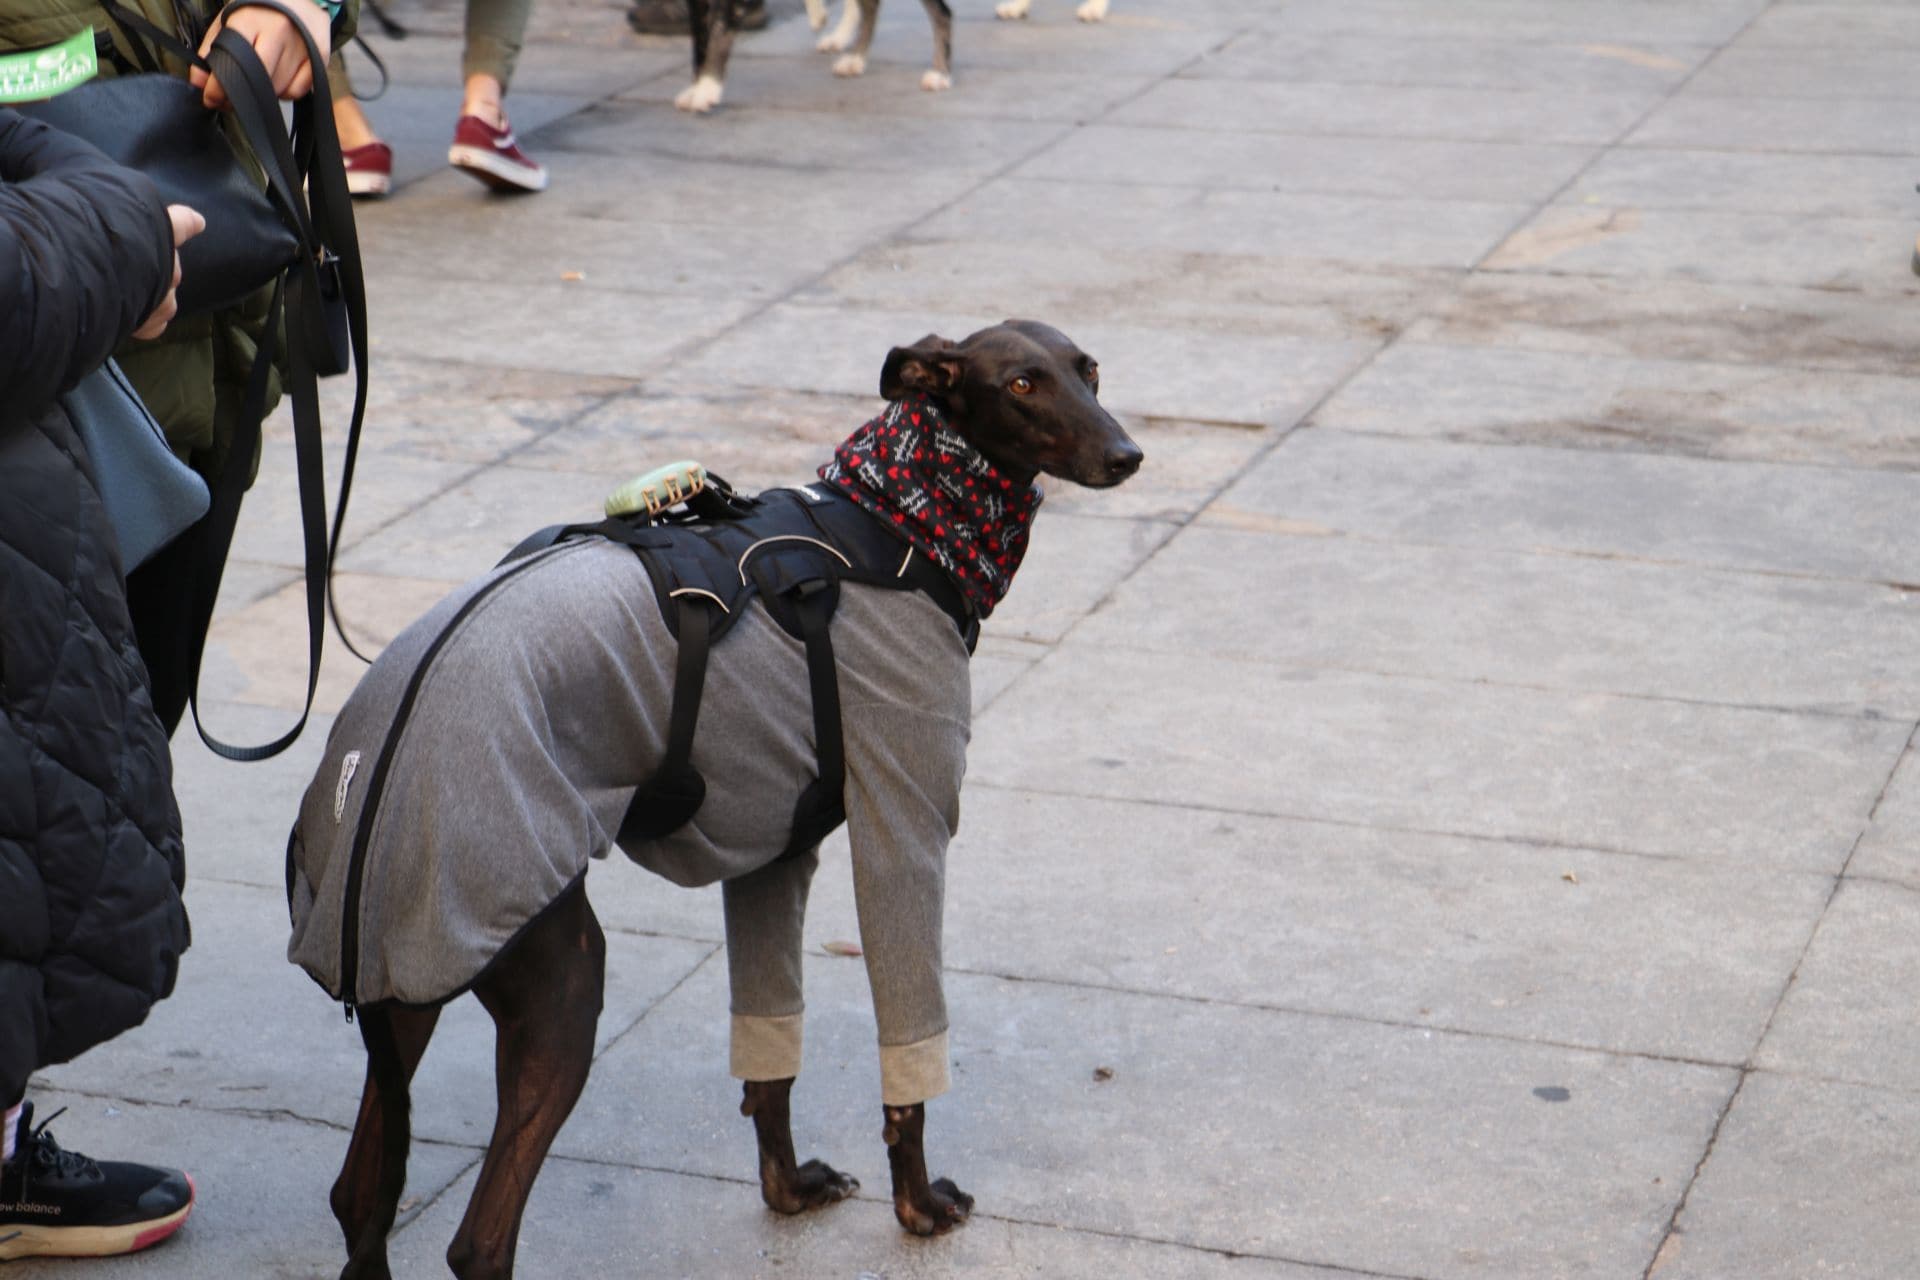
(1013, 9)
(832, 42)
(935, 81)
(700, 97)
(1092, 11)
(852, 64)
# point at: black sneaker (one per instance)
(669, 17)
(59, 1204)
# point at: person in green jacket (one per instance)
(194, 379)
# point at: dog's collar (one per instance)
(912, 469)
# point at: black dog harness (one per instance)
(792, 548)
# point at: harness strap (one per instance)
(669, 799)
(822, 806)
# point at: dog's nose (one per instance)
(1123, 460)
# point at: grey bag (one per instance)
(151, 496)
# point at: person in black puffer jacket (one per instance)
(91, 866)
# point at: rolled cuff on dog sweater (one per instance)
(766, 1048)
(911, 1073)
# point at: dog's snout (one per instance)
(1123, 460)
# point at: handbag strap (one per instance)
(306, 182)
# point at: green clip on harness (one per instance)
(709, 551)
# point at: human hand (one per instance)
(282, 52)
(187, 223)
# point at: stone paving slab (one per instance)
(1836, 26)
(1451, 60)
(1236, 377)
(1808, 1178)
(1890, 848)
(1673, 319)
(1581, 625)
(1377, 232)
(261, 1182)
(650, 1223)
(1428, 1154)
(1752, 69)
(1816, 521)
(1849, 1015)
(245, 1031)
(1821, 185)
(1683, 780)
(1273, 295)
(1528, 120)
(1756, 412)
(1385, 926)
(1392, 167)
(1713, 21)
(1841, 254)
(1781, 124)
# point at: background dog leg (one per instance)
(855, 63)
(712, 46)
(545, 997)
(1092, 11)
(842, 36)
(941, 75)
(924, 1208)
(1013, 8)
(366, 1196)
(787, 1186)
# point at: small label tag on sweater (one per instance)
(48, 72)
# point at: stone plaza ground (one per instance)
(1454, 815)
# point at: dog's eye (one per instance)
(1021, 386)
(1092, 374)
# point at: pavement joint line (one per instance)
(1748, 1068)
(1895, 288)
(1364, 1019)
(1869, 715)
(1602, 150)
(713, 950)
(1705, 861)
(1333, 1268)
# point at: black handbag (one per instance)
(305, 246)
(156, 124)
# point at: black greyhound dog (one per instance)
(715, 23)
(968, 429)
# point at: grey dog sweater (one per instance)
(539, 715)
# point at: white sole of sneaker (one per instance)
(86, 1242)
(368, 184)
(501, 175)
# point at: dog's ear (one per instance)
(932, 366)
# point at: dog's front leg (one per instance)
(785, 1184)
(924, 1208)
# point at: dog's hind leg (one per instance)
(785, 1184)
(842, 35)
(854, 63)
(366, 1196)
(544, 994)
(940, 75)
(713, 29)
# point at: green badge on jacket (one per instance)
(48, 72)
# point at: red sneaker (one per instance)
(369, 169)
(491, 155)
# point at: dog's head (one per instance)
(1027, 398)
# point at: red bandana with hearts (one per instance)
(911, 468)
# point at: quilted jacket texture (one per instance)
(91, 866)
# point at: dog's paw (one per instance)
(700, 97)
(1012, 9)
(1092, 11)
(852, 64)
(813, 1185)
(936, 81)
(833, 42)
(947, 1207)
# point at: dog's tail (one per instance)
(396, 1122)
